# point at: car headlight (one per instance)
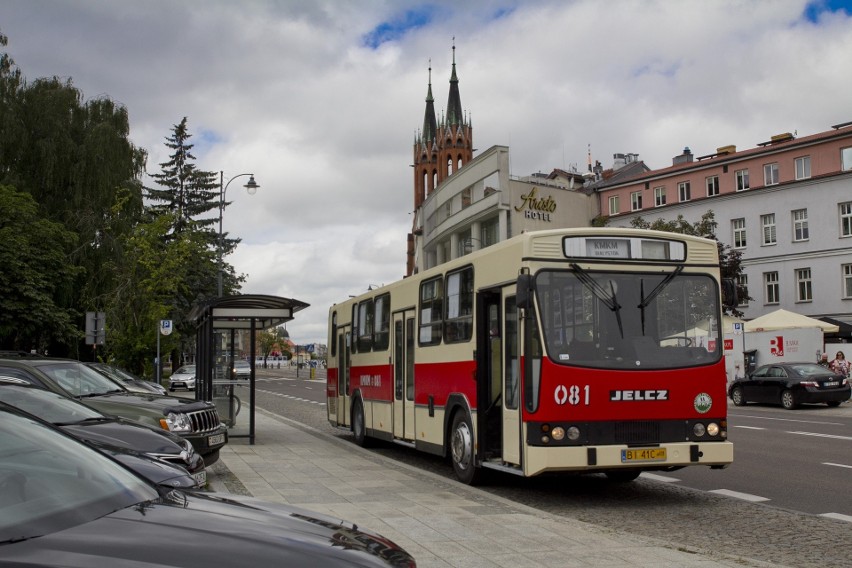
(176, 422)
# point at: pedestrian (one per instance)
(840, 365)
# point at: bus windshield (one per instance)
(629, 320)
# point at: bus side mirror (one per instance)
(729, 293)
(523, 292)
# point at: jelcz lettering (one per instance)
(637, 395)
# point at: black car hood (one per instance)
(160, 403)
(125, 434)
(203, 530)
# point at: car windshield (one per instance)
(116, 373)
(79, 380)
(186, 370)
(631, 320)
(242, 365)
(47, 405)
(51, 482)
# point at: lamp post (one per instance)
(251, 188)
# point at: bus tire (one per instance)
(359, 424)
(462, 449)
(623, 475)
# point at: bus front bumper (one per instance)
(603, 458)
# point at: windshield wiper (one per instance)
(655, 292)
(610, 301)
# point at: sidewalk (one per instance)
(440, 522)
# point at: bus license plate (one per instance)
(643, 455)
(216, 439)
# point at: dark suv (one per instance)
(197, 421)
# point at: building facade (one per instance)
(785, 204)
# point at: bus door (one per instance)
(343, 362)
(512, 381)
(403, 375)
(489, 379)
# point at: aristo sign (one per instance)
(537, 208)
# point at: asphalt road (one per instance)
(786, 500)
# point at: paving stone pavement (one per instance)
(440, 522)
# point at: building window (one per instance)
(846, 159)
(770, 174)
(466, 197)
(742, 180)
(768, 224)
(636, 201)
(804, 290)
(742, 285)
(846, 219)
(489, 232)
(712, 183)
(847, 281)
(613, 205)
(803, 167)
(771, 288)
(659, 196)
(683, 191)
(739, 228)
(800, 225)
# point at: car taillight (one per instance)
(809, 384)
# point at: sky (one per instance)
(322, 99)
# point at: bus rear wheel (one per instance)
(359, 425)
(462, 449)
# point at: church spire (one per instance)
(455, 115)
(430, 125)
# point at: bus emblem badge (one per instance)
(703, 402)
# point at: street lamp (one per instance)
(251, 188)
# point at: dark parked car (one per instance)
(64, 504)
(790, 384)
(109, 433)
(129, 381)
(197, 421)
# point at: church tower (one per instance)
(440, 149)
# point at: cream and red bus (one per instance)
(578, 350)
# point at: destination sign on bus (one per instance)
(623, 248)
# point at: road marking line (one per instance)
(738, 495)
(656, 477)
(837, 464)
(750, 427)
(818, 435)
(837, 516)
(784, 419)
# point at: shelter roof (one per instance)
(236, 312)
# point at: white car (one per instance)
(183, 378)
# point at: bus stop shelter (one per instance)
(218, 322)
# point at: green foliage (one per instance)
(730, 260)
(34, 256)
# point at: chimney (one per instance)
(618, 161)
(684, 158)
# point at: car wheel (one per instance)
(737, 396)
(833, 403)
(788, 401)
(462, 448)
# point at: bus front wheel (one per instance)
(462, 449)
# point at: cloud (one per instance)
(321, 99)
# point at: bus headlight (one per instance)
(573, 433)
(713, 429)
(558, 433)
(698, 429)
